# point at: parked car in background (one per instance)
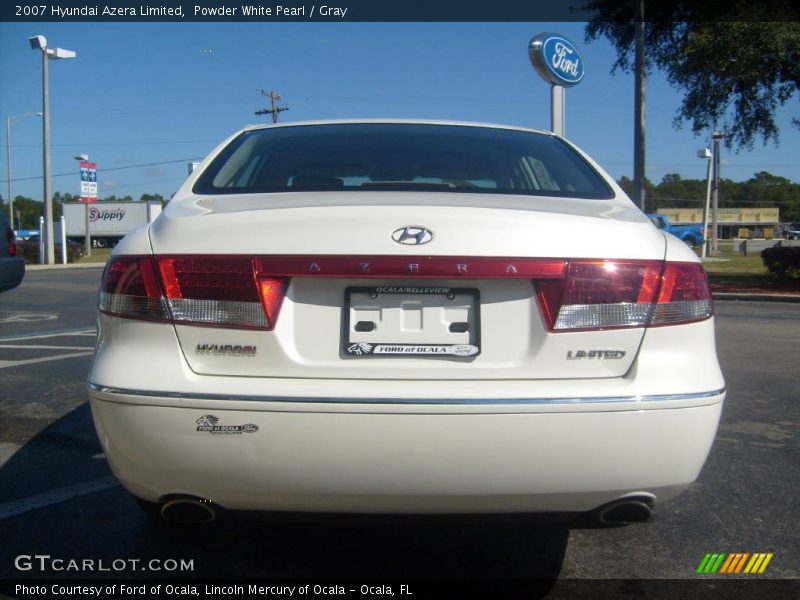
(28, 249)
(791, 231)
(404, 317)
(691, 235)
(12, 267)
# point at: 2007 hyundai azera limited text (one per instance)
(404, 317)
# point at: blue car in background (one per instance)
(691, 235)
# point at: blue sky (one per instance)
(157, 92)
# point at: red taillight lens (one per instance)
(11, 238)
(213, 291)
(613, 294)
(130, 288)
(684, 295)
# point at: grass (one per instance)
(99, 256)
(739, 273)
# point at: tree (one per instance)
(29, 210)
(736, 62)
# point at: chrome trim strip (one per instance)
(407, 401)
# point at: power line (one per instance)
(73, 173)
(275, 110)
(172, 142)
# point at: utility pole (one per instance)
(639, 190)
(275, 109)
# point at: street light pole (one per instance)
(49, 246)
(10, 120)
(705, 154)
(39, 42)
(717, 136)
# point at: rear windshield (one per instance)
(400, 157)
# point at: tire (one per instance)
(100, 243)
(689, 242)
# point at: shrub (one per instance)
(783, 262)
(29, 251)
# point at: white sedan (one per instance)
(404, 317)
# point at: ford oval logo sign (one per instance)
(556, 59)
(412, 235)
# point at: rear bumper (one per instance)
(267, 455)
(12, 270)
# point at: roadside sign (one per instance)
(88, 182)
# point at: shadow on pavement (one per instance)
(109, 525)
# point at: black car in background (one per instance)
(12, 267)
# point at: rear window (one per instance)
(400, 157)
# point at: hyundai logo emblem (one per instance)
(412, 235)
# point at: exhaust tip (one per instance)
(188, 510)
(626, 510)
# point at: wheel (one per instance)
(689, 242)
(100, 243)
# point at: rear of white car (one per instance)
(404, 317)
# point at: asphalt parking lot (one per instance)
(57, 496)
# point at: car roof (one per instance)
(381, 121)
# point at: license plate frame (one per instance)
(387, 349)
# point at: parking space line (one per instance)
(48, 334)
(35, 347)
(6, 364)
(57, 496)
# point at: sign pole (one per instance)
(88, 196)
(87, 238)
(557, 109)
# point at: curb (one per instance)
(64, 267)
(756, 297)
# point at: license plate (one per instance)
(411, 321)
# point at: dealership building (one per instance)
(747, 223)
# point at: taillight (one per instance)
(11, 239)
(130, 288)
(247, 292)
(211, 291)
(684, 295)
(617, 294)
(214, 291)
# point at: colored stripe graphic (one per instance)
(734, 563)
(758, 563)
(711, 563)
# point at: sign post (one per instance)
(558, 62)
(88, 196)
